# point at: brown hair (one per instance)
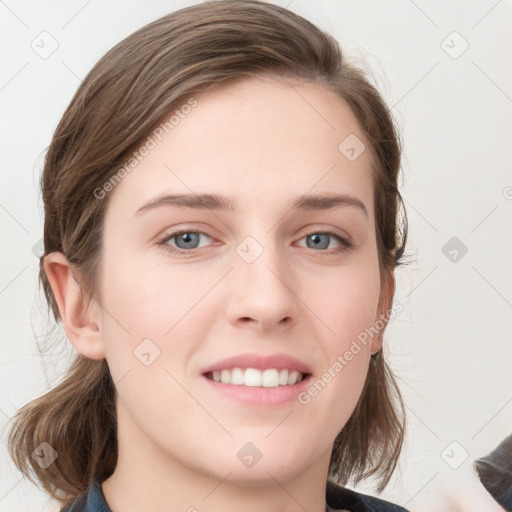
(121, 99)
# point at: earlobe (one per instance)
(80, 323)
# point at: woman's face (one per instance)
(252, 285)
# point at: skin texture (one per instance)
(264, 142)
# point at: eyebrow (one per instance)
(223, 203)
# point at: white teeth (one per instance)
(237, 376)
(292, 377)
(252, 377)
(270, 379)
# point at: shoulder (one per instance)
(339, 498)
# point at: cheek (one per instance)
(346, 302)
(149, 310)
(145, 315)
(148, 299)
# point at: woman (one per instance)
(221, 232)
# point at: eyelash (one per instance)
(345, 243)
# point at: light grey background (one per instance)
(451, 345)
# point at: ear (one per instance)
(387, 292)
(80, 323)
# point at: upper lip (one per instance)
(260, 362)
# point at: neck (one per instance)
(147, 479)
(177, 492)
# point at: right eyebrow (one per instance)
(197, 201)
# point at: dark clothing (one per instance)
(92, 501)
(340, 498)
(337, 498)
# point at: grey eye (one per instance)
(317, 242)
(189, 240)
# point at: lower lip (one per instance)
(255, 395)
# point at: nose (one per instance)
(262, 293)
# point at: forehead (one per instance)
(260, 139)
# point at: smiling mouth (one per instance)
(253, 377)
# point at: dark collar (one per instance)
(91, 501)
(339, 497)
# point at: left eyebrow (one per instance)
(327, 201)
(219, 202)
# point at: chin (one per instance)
(262, 476)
